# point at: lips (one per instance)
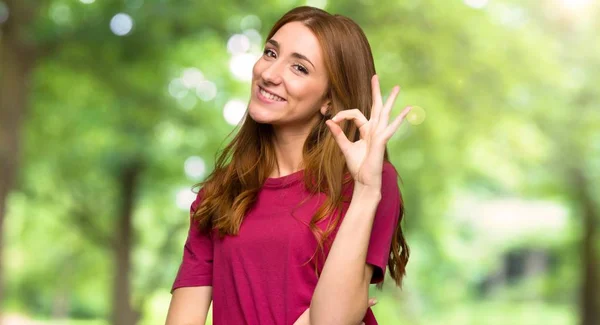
(268, 96)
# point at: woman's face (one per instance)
(289, 81)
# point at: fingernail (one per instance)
(375, 302)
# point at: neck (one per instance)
(288, 143)
(288, 152)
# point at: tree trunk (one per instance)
(590, 297)
(123, 312)
(16, 63)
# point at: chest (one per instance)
(274, 231)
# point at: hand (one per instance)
(304, 319)
(364, 157)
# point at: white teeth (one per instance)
(270, 96)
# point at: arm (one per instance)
(304, 318)
(189, 306)
(192, 288)
(341, 295)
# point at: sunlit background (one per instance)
(111, 110)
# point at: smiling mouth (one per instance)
(270, 96)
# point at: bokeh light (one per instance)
(241, 66)
(184, 199)
(87, 2)
(416, 115)
(121, 24)
(192, 80)
(60, 13)
(254, 37)
(191, 77)
(177, 89)
(250, 22)
(194, 167)
(234, 111)
(206, 90)
(238, 44)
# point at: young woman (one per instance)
(302, 211)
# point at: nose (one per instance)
(272, 73)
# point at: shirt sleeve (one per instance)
(196, 268)
(385, 222)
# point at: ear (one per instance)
(326, 107)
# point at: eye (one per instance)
(301, 68)
(270, 53)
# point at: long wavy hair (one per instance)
(247, 161)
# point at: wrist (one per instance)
(372, 193)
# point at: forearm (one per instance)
(341, 294)
(189, 306)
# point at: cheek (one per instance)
(297, 88)
(305, 91)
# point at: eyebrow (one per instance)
(295, 54)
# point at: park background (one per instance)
(110, 111)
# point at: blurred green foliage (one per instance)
(500, 181)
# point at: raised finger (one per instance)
(376, 94)
(389, 103)
(391, 129)
(355, 115)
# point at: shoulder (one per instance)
(197, 200)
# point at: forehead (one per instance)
(296, 37)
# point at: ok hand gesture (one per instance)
(364, 157)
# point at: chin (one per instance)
(259, 114)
